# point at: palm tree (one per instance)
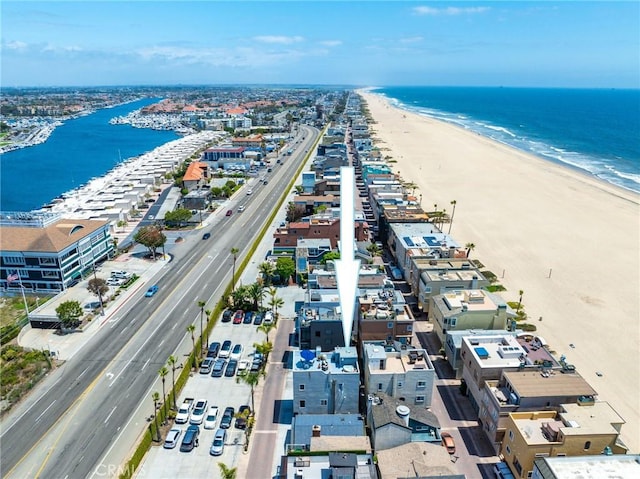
(251, 379)
(470, 247)
(275, 303)
(208, 314)
(266, 329)
(234, 253)
(264, 348)
(226, 471)
(171, 361)
(267, 269)
(201, 305)
(453, 213)
(239, 296)
(191, 328)
(163, 372)
(255, 291)
(520, 293)
(156, 398)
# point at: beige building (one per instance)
(577, 430)
(528, 391)
(430, 277)
(468, 309)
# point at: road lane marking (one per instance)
(112, 411)
(145, 364)
(82, 373)
(43, 412)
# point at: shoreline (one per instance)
(568, 239)
(470, 123)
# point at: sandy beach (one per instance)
(568, 240)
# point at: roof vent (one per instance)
(403, 412)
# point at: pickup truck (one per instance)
(199, 411)
(185, 410)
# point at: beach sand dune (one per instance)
(568, 240)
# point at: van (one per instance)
(190, 439)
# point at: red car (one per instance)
(237, 318)
(447, 442)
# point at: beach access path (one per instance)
(568, 240)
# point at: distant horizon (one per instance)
(517, 44)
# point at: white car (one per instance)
(120, 275)
(199, 411)
(236, 352)
(243, 365)
(249, 192)
(115, 282)
(268, 317)
(172, 438)
(211, 418)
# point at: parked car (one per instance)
(172, 438)
(115, 282)
(206, 236)
(268, 317)
(237, 318)
(227, 417)
(184, 411)
(230, 370)
(120, 274)
(248, 317)
(243, 365)
(217, 446)
(448, 443)
(236, 352)
(151, 291)
(227, 315)
(243, 416)
(257, 318)
(205, 367)
(225, 349)
(214, 349)
(217, 370)
(199, 410)
(190, 439)
(211, 417)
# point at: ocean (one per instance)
(595, 131)
(79, 150)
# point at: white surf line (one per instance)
(43, 412)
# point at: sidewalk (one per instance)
(63, 347)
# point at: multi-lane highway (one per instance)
(73, 418)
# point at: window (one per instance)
(379, 386)
(51, 261)
(427, 289)
(390, 325)
(587, 445)
(419, 399)
(421, 385)
(508, 449)
(13, 260)
(317, 334)
(323, 402)
(399, 384)
(409, 328)
(510, 435)
(301, 387)
(453, 322)
(49, 274)
(302, 403)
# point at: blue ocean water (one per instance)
(596, 131)
(81, 149)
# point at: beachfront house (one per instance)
(575, 430)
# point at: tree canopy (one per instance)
(98, 286)
(69, 313)
(285, 267)
(177, 217)
(152, 237)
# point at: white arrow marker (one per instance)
(347, 267)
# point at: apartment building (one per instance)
(406, 374)
(598, 465)
(468, 309)
(576, 430)
(326, 383)
(527, 391)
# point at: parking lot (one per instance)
(218, 391)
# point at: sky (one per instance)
(356, 43)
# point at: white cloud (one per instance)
(422, 10)
(331, 43)
(280, 39)
(15, 45)
(415, 39)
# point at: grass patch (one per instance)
(494, 288)
(490, 276)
